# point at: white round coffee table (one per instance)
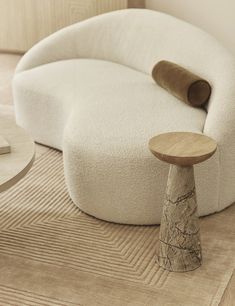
(15, 165)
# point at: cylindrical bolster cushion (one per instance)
(181, 83)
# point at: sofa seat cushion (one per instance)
(102, 115)
(118, 107)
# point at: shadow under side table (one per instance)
(179, 245)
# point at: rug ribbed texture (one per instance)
(51, 253)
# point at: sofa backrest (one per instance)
(137, 38)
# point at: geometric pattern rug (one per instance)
(51, 253)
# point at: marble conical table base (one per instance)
(180, 247)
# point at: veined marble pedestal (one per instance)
(180, 246)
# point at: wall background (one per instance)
(25, 22)
(136, 3)
(215, 16)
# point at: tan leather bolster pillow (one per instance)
(181, 83)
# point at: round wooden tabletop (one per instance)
(14, 165)
(182, 148)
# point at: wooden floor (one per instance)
(229, 294)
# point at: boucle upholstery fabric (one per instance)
(182, 83)
(88, 91)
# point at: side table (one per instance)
(180, 246)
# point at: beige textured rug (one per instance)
(53, 254)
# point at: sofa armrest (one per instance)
(61, 45)
(92, 38)
(220, 121)
(220, 125)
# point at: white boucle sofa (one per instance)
(87, 90)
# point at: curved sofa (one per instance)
(87, 90)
